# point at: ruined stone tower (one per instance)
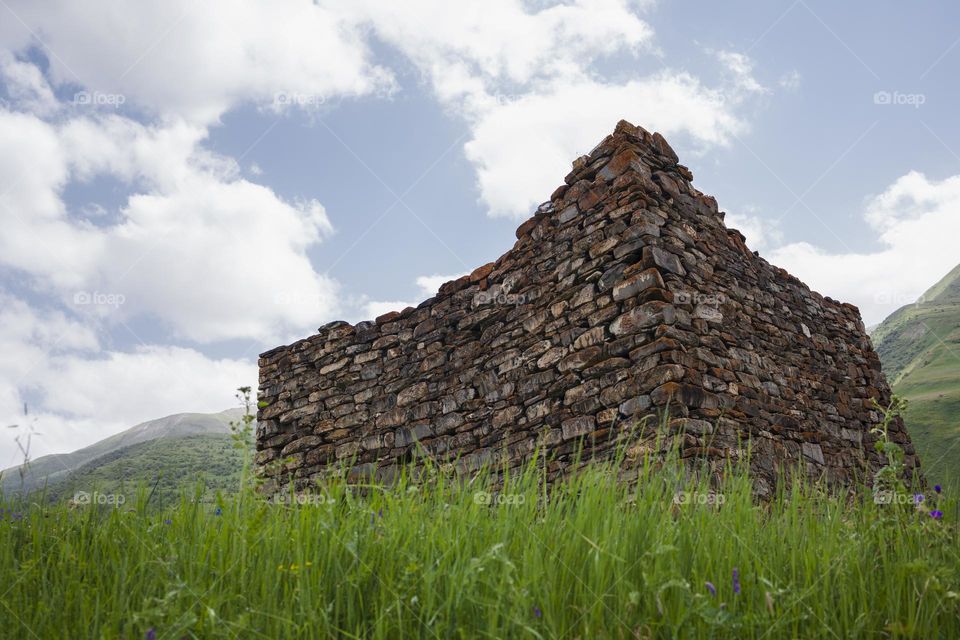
(624, 294)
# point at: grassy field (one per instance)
(594, 558)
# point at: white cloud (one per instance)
(523, 149)
(196, 60)
(144, 384)
(525, 78)
(212, 255)
(37, 235)
(916, 221)
(473, 50)
(759, 232)
(26, 87)
(740, 66)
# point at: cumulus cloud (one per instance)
(526, 79)
(193, 60)
(37, 234)
(523, 149)
(195, 245)
(26, 87)
(473, 51)
(916, 221)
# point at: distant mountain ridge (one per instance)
(917, 328)
(919, 345)
(56, 469)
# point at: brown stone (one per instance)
(637, 283)
(643, 317)
(575, 427)
(482, 272)
(390, 316)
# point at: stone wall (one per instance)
(624, 294)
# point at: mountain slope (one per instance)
(55, 469)
(164, 466)
(919, 346)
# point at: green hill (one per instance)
(176, 450)
(165, 466)
(919, 346)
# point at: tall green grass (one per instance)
(593, 557)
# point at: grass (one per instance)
(591, 558)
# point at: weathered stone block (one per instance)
(575, 427)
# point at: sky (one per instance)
(185, 185)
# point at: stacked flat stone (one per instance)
(624, 295)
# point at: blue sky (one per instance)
(184, 185)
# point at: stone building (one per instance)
(623, 295)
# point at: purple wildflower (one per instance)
(537, 613)
(918, 498)
(218, 511)
(736, 580)
(168, 522)
(938, 488)
(712, 589)
(151, 634)
(936, 515)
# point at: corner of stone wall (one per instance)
(636, 299)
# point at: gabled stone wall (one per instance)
(624, 294)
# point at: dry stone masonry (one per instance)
(623, 295)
